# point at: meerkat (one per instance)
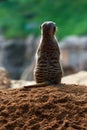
(48, 70)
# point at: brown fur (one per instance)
(47, 69)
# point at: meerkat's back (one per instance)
(48, 69)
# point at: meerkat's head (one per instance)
(48, 28)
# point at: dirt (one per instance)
(61, 107)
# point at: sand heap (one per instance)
(62, 107)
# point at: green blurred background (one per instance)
(19, 18)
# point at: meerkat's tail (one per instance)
(43, 84)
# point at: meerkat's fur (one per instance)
(48, 70)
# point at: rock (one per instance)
(32, 44)
(2, 41)
(4, 79)
(74, 53)
(28, 72)
(20, 83)
(14, 58)
(79, 78)
(18, 55)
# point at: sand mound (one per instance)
(62, 107)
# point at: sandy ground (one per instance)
(61, 107)
(79, 78)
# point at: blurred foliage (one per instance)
(18, 18)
